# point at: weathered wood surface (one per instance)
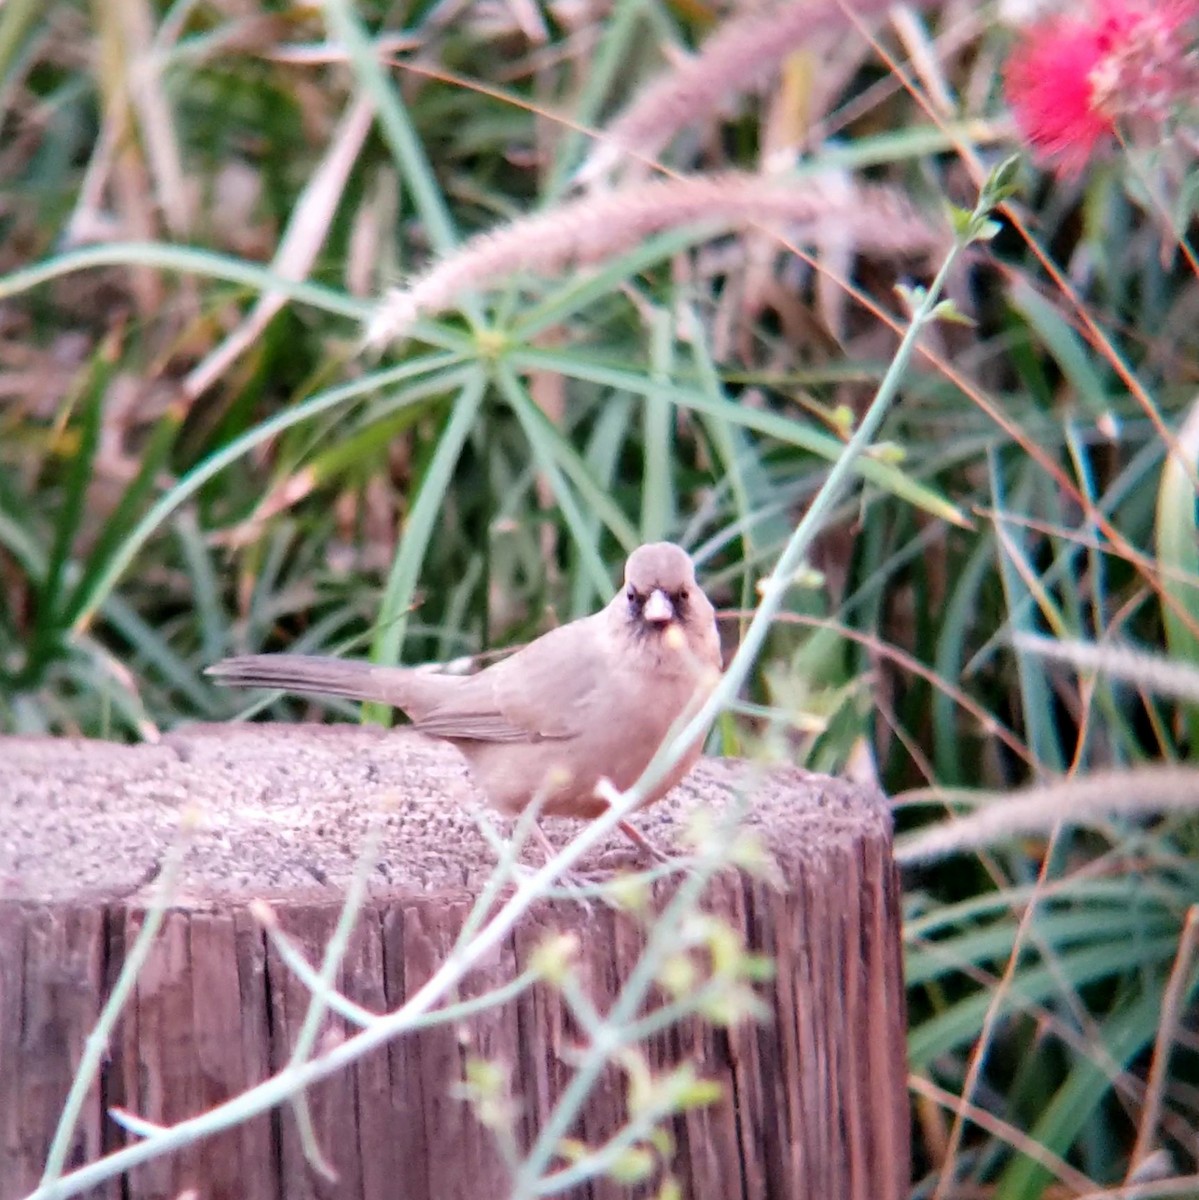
(815, 1101)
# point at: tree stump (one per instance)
(814, 1100)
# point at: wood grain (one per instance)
(814, 1100)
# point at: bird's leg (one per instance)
(547, 847)
(571, 881)
(606, 792)
(642, 842)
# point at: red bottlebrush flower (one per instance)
(1074, 76)
(1048, 85)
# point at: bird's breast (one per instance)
(617, 736)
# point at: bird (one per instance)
(588, 701)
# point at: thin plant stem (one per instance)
(363, 1017)
(304, 971)
(318, 1005)
(1173, 1004)
(605, 1036)
(400, 135)
(96, 1046)
(200, 474)
(345, 24)
(604, 71)
(601, 1158)
(965, 1104)
(1009, 1133)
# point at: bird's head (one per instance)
(663, 617)
(659, 587)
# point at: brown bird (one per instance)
(590, 700)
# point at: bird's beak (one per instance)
(658, 609)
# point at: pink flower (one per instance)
(1075, 77)
(1048, 85)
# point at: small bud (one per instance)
(634, 1165)
(887, 452)
(725, 947)
(948, 311)
(678, 975)
(733, 1006)
(554, 956)
(670, 1189)
(662, 1141)
(629, 893)
(749, 853)
(697, 1093)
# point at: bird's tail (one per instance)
(316, 674)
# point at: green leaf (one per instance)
(1087, 1086)
(550, 444)
(961, 1023)
(198, 476)
(948, 311)
(395, 123)
(53, 605)
(1177, 536)
(1036, 693)
(1067, 348)
(771, 424)
(1001, 183)
(608, 62)
(548, 454)
(124, 517)
(658, 504)
(586, 287)
(418, 531)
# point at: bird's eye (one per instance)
(683, 593)
(631, 593)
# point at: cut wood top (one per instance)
(284, 809)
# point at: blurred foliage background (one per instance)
(203, 202)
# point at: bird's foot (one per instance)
(574, 884)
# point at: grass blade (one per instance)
(198, 476)
(881, 474)
(418, 530)
(544, 450)
(49, 621)
(1176, 528)
(658, 506)
(122, 518)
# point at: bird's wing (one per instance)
(454, 723)
(545, 691)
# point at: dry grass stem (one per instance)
(590, 230)
(155, 116)
(983, 1045)
(1173, 1005)
(1003, 1130)
(1086, 801)
(305, 235)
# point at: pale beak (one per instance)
(658, 609)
